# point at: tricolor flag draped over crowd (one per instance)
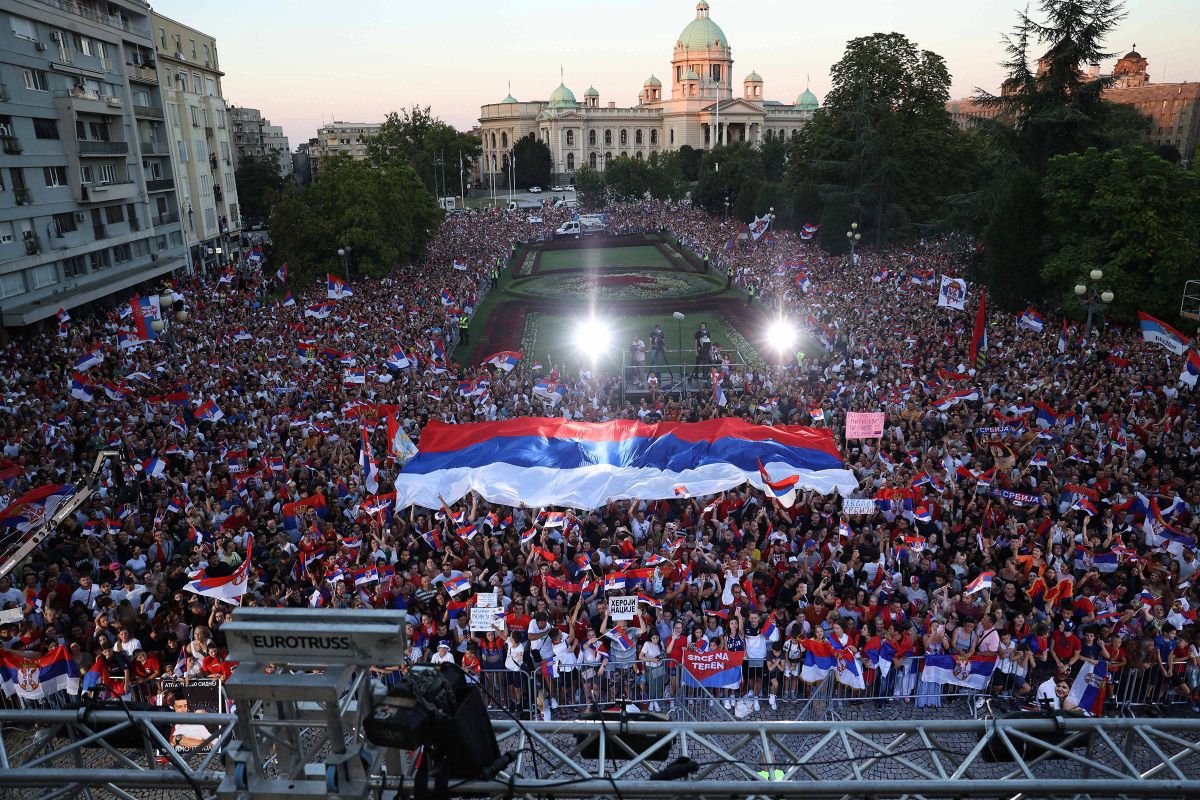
(35, 677)
(542, 462)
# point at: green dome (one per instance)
(691, 75)
(653, 81)
(562, 97)
(701, 32)
(509, 99)
(591, 92)
(807, 101)
(753, 76)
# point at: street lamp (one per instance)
(1093, 298)
(853, 236)
(342, 252)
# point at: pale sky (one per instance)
(305, 62)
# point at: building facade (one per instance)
(199, 141)
(340, 137)
(1173, 108)
(701, 109)
(248, 124)
(275, 143)
(87, 190)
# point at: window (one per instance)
(162, 38)
(85, 45)
(122, 253)
(210, 86)
(672, 136)
(85, 174)
(141, 98)
(65, 222)
(45, 275)
(114, 214)
(181, 147)
(503, 139)
(716, 73)
(638, 155)
(196, 84)
(592, 138)
(106, 173)
(653, 137)
(141, 248)
(153, 169)
(12, 284)
(624, 137)
(608, 137)
(679, 74)
(35, 80)
(637, 136)
(592, 160)
(55, 176)
(199, 150)
(210, 219)
(221, 119)
(570, 138)
(23, 28)
(570, 162)
(173, 110)
(225, 151)
(73, 267)
(99, 260)
(6, 233)
(45, 128)
(192, 42)
(207, 58)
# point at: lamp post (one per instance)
(726, 206)
(1093, 298)
(169, 308)
(853, 236)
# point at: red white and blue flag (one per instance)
(40, 677)
(973, 673)
(208, 412)
(89, 360)
(225, 587)
(336, 288)
(505, 360)
(954, 398)
(1087, 692)
(783, 490)
(984, 581)
(457, 585)
(713, 669)
(1155, 330)
(1032, 320)
(1191, 368)
(543, 461)
(32, 508)
(319, 310)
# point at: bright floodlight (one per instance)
(592, 336)
(781, 334)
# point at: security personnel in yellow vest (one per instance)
(464, 335)
(729, 276)
(750, 292)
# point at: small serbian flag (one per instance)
(614, 582)
(1191, 369)
(505, 360)
(680, 491)
(650, 601)
(289, 301)
(336, 288)
(154, 467)
(769, 628)
(783, 490)
(447, 298)
(549, 668)
(1039, 460)
(984, 581)
(1084, 505)
(619, 636)
(1155, 330)
(528, 536)
(456, 585)
(89, 360)
(552, 519)
(655, 559)
(365, 575)
(319, 310)
(1033, 320)
(208, 412)
(922, 514)
(174, 505)
(817, 415)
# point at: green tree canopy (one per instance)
(534, 165)
(589, 188)
(1132, 214)
(880, 144)
(732, 173)
(434, 149)
(384, 217)
(259, 183)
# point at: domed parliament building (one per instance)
(701, 111)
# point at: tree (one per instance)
(627, 179)
(1132, 214)
(665, 176)
(533, 162)
(730, 174)
(689, 162)
(259, 182)
(1013, 239)
(878, 145)
(385, 217)
(590, 190)
(434, 149)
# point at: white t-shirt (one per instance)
(1046, 691)
(544, 646)
(514, 658)
(442, 656)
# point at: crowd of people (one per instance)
(997, 533)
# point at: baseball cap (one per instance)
(444, 643)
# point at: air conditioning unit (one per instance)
(115, 102)
(56, 36)
(41, 46)
(80, 216)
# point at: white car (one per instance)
(535, 190)
(556, 189)
(569, 187)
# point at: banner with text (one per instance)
(622, 607)
(716, 669)
(864, 424)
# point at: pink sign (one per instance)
(864, 425)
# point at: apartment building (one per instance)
(277, 144)
(340, 137)
(87, 191)
(199, 140)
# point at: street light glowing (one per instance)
(781, 335)
(593, 336)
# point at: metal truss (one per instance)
(52, 754)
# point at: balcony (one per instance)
(12, 145)
(160, 184)
(111, 20)
(33, 245)
(150, 112)
(212, 161)
(98, 232)
(208, 132)
(143, 74)
(155, 147)
(170, 218)
(103, 192)
(91, 147)
(23, 195)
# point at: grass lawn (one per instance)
(603, 257)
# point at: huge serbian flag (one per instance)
(715, 669)
(540, 462)
(40, 676)
(973, 673)
(1155, 330)
(33, 508)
